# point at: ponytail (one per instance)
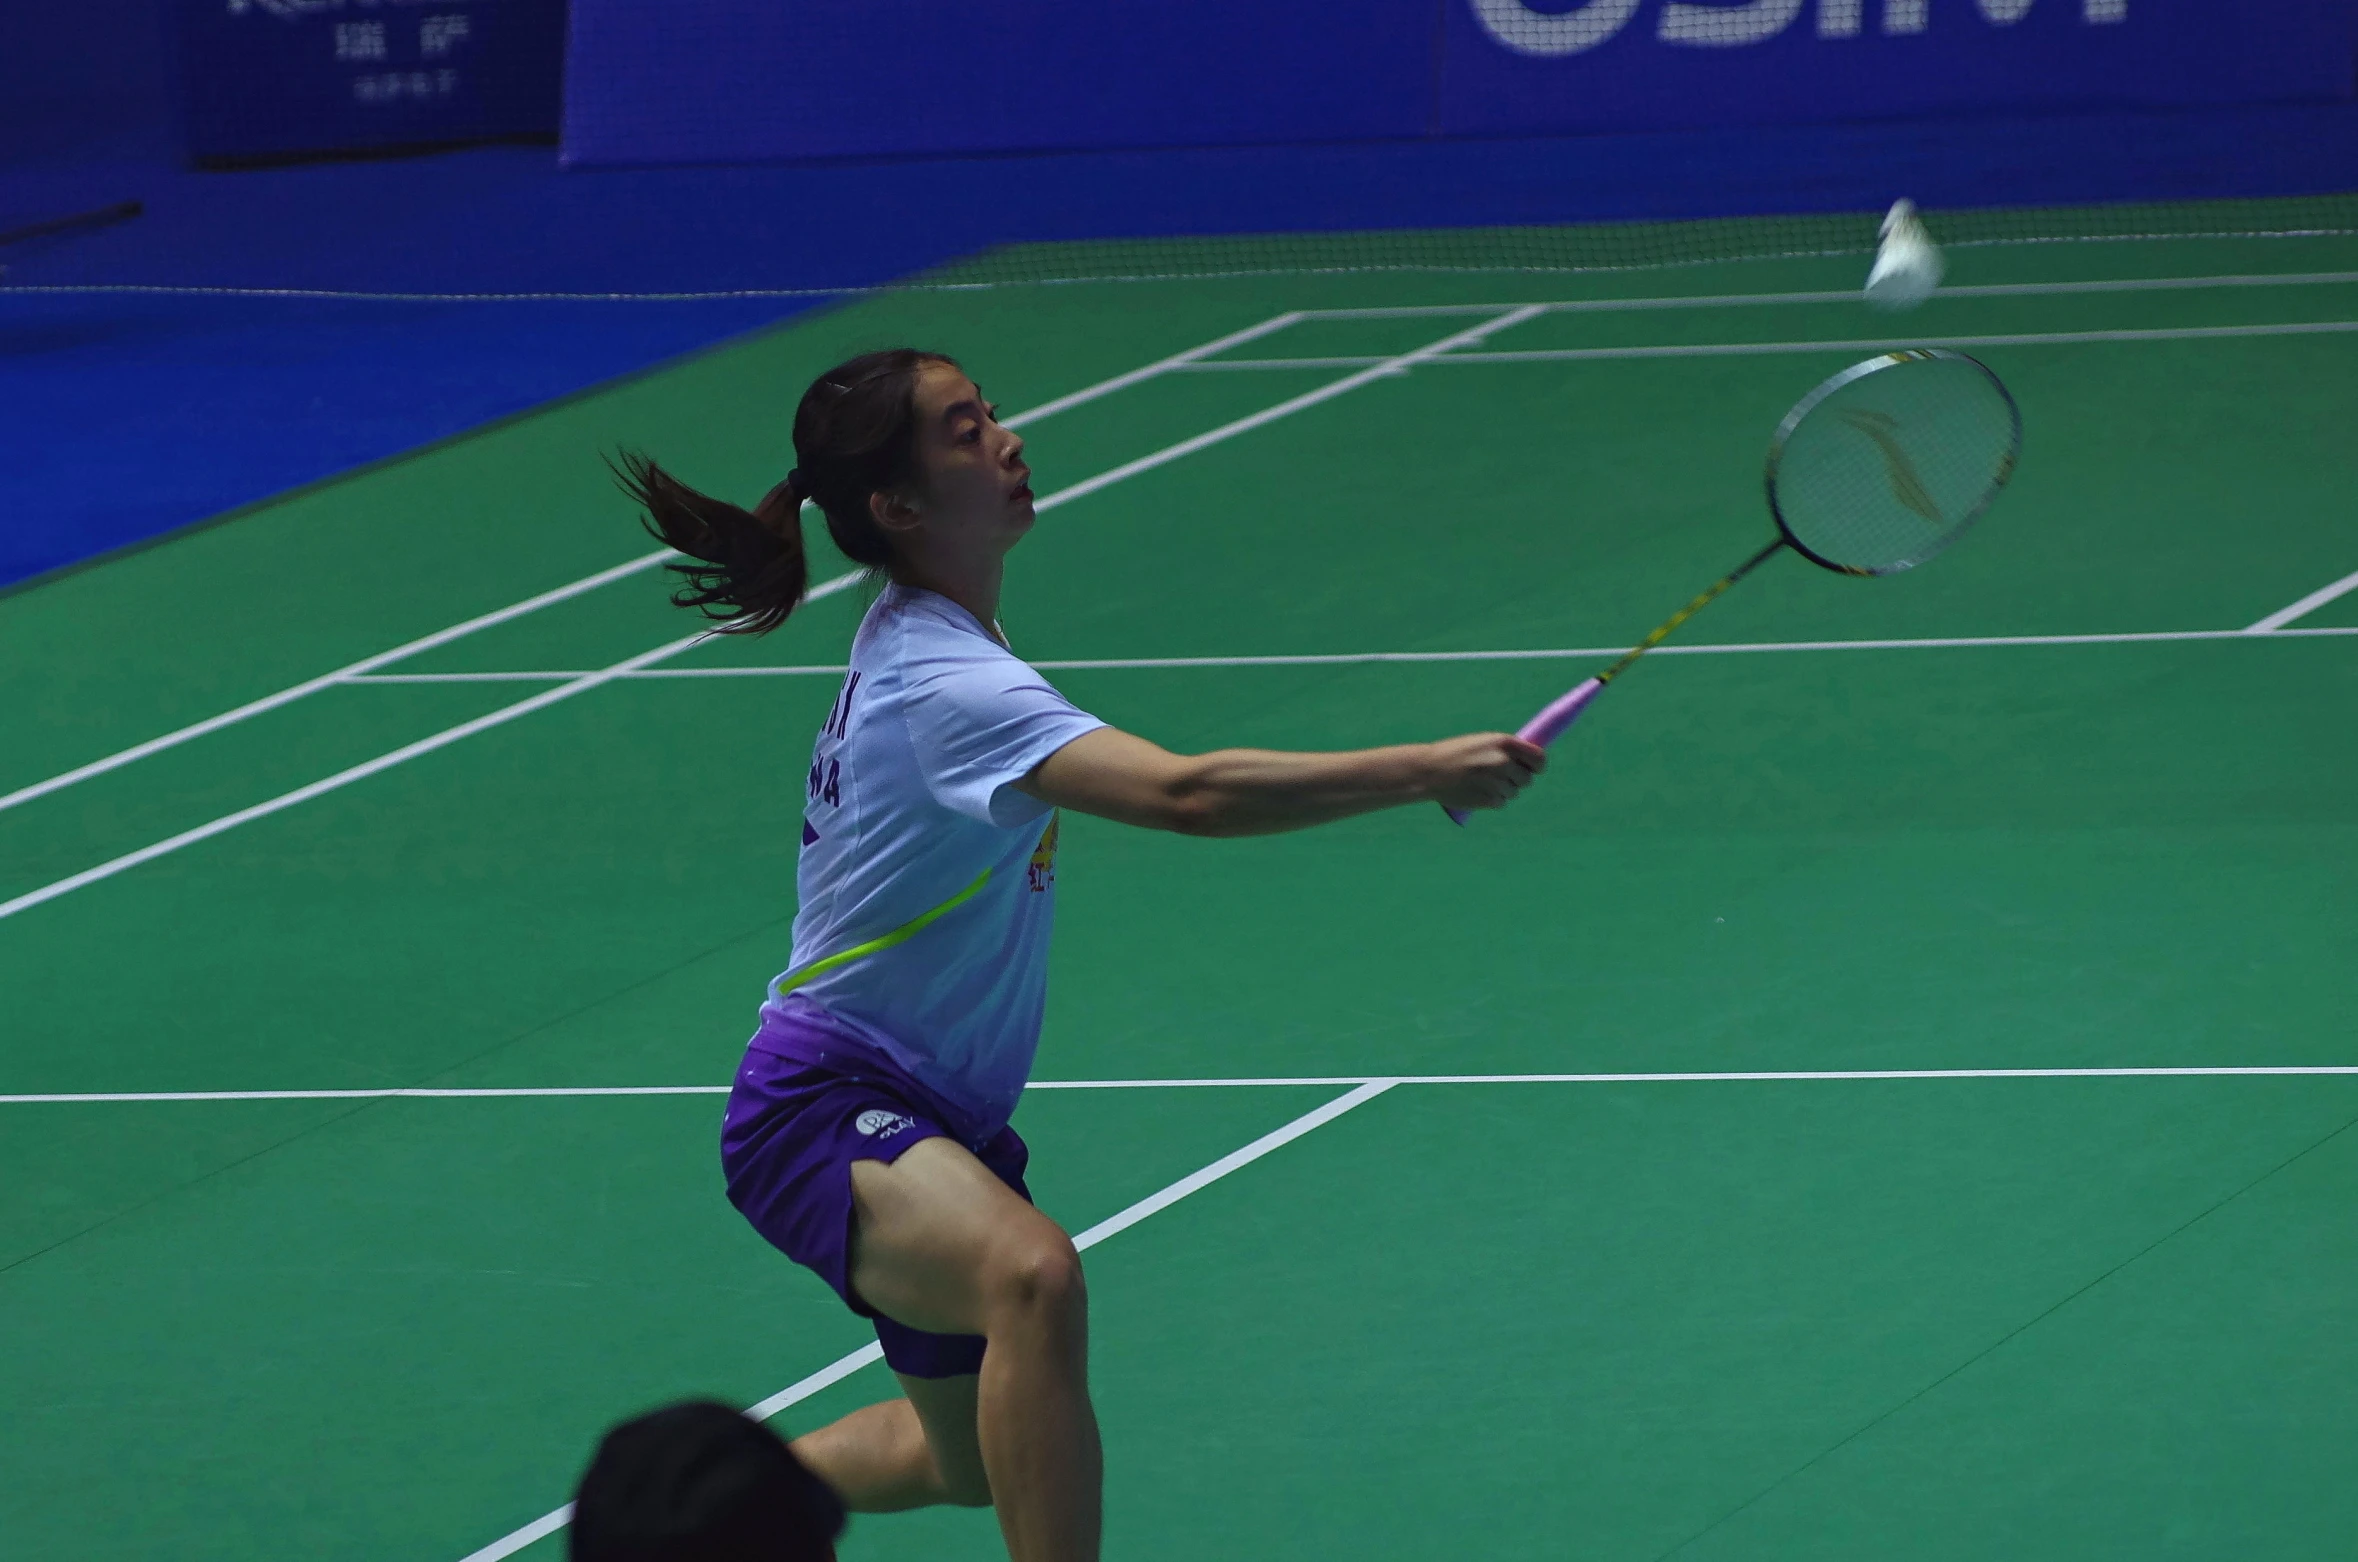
(748, 568)
(855, 433)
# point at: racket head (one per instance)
(1887, 463)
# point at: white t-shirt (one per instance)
(910, 807)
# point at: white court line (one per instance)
(591, 582)
(390, 1093)
(1139, 376)
(2274, 623)
(310, 686)
(1851, 295)
(1237, 1082)
(844, 1366)
(342, 778)
(1380, 368)
(2189, 333)
(1713, 1077)
(1364, 658)
(106, 870)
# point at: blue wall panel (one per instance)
(757, 80)
(273, 77)
(1509, 66)
(71, 75)
(748, 80)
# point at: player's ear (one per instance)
(893, 510)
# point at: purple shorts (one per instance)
(806, 1104)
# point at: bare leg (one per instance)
(1039, 1431)
(941, 1244)
(904, 1453)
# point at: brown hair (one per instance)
(855, 432)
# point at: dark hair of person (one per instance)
(855, 432)
(698, 1482)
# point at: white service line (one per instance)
(1717, 1077)
(1724, 648)
(310, 686)
(1836, 1075)
(1377, 369)
(587, 583)
(1364, 658)
(1232, 1082)
(844, 1366)
(1251, 333)
(2274, 623)
(580, 683)
(389, 1093)
(1851, 295)
(2189, 333)
(343, 778)
(106, 870)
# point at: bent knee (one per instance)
(1040, 1276)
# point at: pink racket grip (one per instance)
(1544, 728)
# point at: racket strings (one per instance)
(1887, 468)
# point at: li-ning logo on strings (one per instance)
(1548, 34)
(1906, 486)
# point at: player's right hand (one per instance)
(1483, 769)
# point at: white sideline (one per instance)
(591, 582)
(309, 686)
(1362, 658)
(2274, 623)
(1049, 409)
(2189, 333)
(587, 681)
(1239, 1082)
(844, 1366)
(342, 778)
(1379, 368)
(1850, 295)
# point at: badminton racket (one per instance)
(1871, 473)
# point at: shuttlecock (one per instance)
(1907, 263)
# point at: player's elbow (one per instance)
(1190, 802)
(1196, 812)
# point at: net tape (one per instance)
(1568, 248)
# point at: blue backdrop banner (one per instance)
(270, 77)
(697, 80)
(750, 80)
(1541, 65)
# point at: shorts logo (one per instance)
(877, 1121)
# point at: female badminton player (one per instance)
(867, 1132)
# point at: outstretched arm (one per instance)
(1250, 791)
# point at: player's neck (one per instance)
(971, 583)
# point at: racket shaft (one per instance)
(1544, 728)
(1669, 626)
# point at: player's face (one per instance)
(977, 486)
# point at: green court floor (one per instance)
(1887, 1093)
